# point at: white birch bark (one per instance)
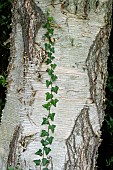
(82, 30)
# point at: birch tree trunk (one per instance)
(82, 30)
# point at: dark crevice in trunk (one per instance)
(105, 152)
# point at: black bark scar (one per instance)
(25, 18)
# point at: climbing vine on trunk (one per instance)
(51, 101)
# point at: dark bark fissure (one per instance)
(12, 157)
(31, 19)
(105, 152)
(79, 155)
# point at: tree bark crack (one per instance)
(82, 143)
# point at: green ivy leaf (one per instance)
(47, 150)
(10, 168)
(51, 116)
(47, 106)
(48, 83)
(49, 96)
(44, 133)
(54, 102)
(48, 61)
(37, 162)
(51, 31)
(52, 57)
(50, 139)
(55, 89)
(44, 142)
(52, 128)
(45, 121)
(47, 25)
(47, 46)
(39, 152)
(50, 71)
(50, 19)
(47, 35)
(45, 161)
(53, 66)
(53, 77)
(52, 50)
(45, 169)
(49, 54)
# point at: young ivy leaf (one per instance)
(52, 58)
(50, 139)
(55, 89)
(51, 116)
(49, 96)
(44, 133)
(51, 31)
(53, 77)
(49, 54)
(52, 128)
(48, 61)
(45, 121)
(47, 25)
(53, 66)
(44, 142)
(47, 150)
(47, 35)
(50, 19)
(45, 161)
(52, 50)
(47, 46)
(47, 106)
(45, 169)
(48, 83)
(37, 162)
(54, 102)
(39, 152)
(50, 71)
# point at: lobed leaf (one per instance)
(45, 161)
(39, 152)
(53, 66)
(55, 89)
(50, 139)
(52, 128)
(49, 96)
(44, 142)
(51, 116)
(37, 162)
(47, 106)
(45, 121)
(44, 133)
(53, 77)
(54, 102)
(50, 71)
(47, 150)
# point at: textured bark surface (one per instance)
(82, 29)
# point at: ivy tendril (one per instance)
(51, 101)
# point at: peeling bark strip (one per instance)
(81, 7)
(31, 19)
(12, 148)
(82, 144)
(97, 65)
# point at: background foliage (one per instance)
(5, 29)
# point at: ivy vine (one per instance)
(47, 134)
